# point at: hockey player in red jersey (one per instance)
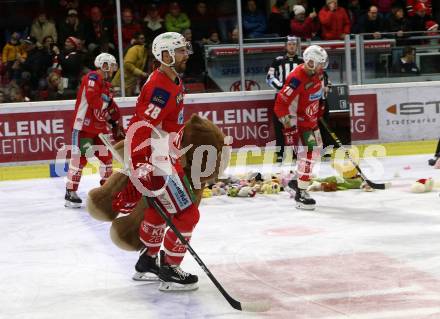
(298, 107)
(158, 116)
(94, 111)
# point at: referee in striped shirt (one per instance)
(281, 66)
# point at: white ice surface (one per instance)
(358, 255)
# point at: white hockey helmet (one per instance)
(106, 62)
(316, 54)
(169, 41)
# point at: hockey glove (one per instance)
(117, 130)
(126, 200)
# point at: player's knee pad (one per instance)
(187, 219)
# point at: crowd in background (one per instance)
(47, 48)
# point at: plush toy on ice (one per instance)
(422, 185)
(347, 178)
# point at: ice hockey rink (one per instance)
(358, 255)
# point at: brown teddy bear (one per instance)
(124, 231)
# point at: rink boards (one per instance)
(403, 117)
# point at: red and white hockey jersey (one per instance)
(91, 112)
(160, 104)
(300, 98)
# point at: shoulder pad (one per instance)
(160, 97)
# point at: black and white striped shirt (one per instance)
(280, 68)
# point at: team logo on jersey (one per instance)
(179, 98)
(294, 83)
(100, 114)
(316, 96)
(312, 109)
(160, 97)
(93, 76)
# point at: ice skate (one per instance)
(173, 278)
(72, 199)
(303, 200)
(147, 268)
(292, 187)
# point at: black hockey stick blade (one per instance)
(378, 185)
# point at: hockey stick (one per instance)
(339, 144)
(250, 306)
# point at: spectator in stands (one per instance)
(71, 27)
(279, 21)
(432, 28)
(71, 62)
(135, 61)
(176, 20)
(213, 38)
(153, 24)
(12, 53)
(42, 28)
(334, 21)
(97, 30)
(254, 21)
(384, 7)
(418, 21)
(52, 49)
(372, 24)
(302, 27)
(16, 94)
(35, 65)
(405, 66)
(234, 36)
(412, 4)
(225, 11)
(202, 22)
(398, 22)
(354, 12)
(129, 28)
(55, 88)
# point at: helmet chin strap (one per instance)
(171, 65)
(310, 69)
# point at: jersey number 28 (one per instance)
(152, 111)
